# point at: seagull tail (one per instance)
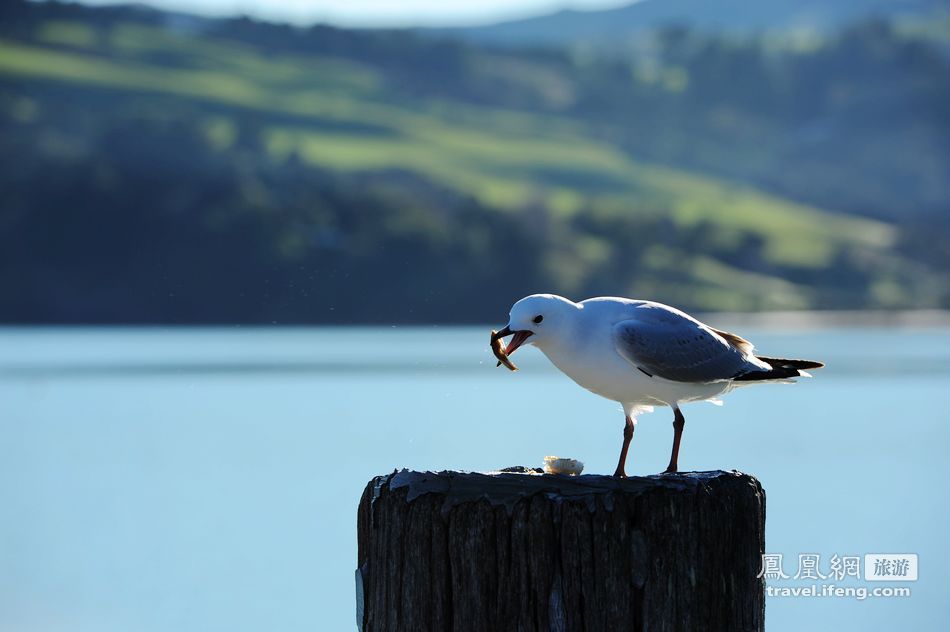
(782, 369)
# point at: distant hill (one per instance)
(613, 28)
(161, 168)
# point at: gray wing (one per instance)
(667, 343)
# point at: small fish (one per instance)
(498, 348)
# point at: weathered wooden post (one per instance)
(509, 551)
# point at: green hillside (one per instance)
(600, 217)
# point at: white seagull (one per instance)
(641, 354)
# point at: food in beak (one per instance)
(501, 351)
(498, 348)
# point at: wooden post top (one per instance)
(520, 550)
(508, 486)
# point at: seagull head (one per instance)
(539, 318)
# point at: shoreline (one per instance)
(789, 320)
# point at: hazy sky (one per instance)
(375, 12)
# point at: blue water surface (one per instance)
(208, 479)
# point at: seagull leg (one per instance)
(627, 436)
(678, 422)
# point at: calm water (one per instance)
(201, 480)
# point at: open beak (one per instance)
(516, 341)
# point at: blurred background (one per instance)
(161, 167)
(186, 185)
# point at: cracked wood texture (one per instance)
(496, 552)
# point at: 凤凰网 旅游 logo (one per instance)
(838, 575)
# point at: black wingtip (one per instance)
(784, 363)
(772, 374)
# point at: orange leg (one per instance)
(627, 436)
(678, 422)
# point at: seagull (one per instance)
(641, 354)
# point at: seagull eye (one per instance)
(537, 319)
